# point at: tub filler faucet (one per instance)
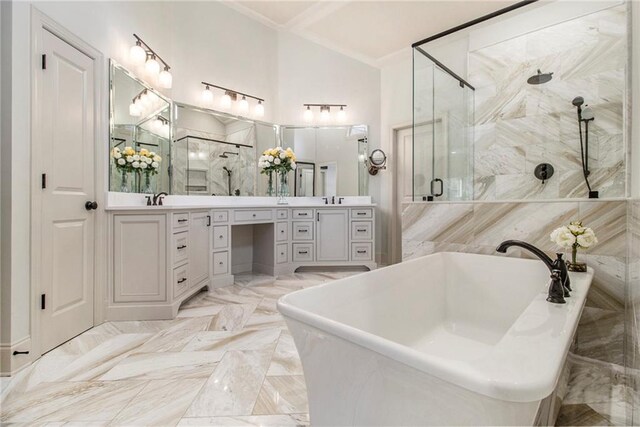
(560, 282)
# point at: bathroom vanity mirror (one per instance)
(140, 135)
(331, 159)
(215, 153)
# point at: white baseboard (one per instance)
(11, 364)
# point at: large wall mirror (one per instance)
(215, 153)
(139, 146)
(159, 145)
(331, 160)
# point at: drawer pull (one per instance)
(282, 231)
(220, 263)
(220, 236)
(254, 215)
(182, 246)
(184, 279)
(182, 220)
(303, 214)
(361, 230)
(282, 253)
(362, 252)
(208, 220)
(361, 213)
(303, 252)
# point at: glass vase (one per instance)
(283, 187)
(147, 186)
(574, 265)
(270, 188)
(124, 182)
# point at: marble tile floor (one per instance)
(226, 360)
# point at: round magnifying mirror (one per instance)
(377, 157)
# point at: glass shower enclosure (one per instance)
(442, 132)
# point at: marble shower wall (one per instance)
(633, 308)
(518, 126)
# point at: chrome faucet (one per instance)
(556, 268)
(157, 198)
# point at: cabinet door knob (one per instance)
(220, 236)
(91, 205)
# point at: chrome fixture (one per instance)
(141, 53)
(585, 115)
(156, 200)
(377, 160)
(540, 78)
(325, 112)
(231, 96)
(543, 171)
(556, 268)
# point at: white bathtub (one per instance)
(446, 339)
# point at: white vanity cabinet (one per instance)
(332, 243)
(160, 256)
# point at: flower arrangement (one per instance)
(128, 160)
(280, 161)
(277, 160)
(574, 236)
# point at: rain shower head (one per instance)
(539, 78)
(225, 155)
(578, 101)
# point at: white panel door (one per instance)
(332, 235)
(66, 152)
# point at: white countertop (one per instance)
(133, 202)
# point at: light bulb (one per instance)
(145, 99)
(259, 109)
(325, 115)
(308, 114)
(243, 105)
(207, 96)
(225, 101)
(134, 111)
(342, 115)
(165, 79)
(137, 54)
(152, 65)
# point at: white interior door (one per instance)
(65, 147)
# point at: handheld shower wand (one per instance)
(585, 115)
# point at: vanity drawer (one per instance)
(282, 255)
(282, 231)
(302, 230)
(302, 252)
(220, 216)
(282, 214)
(220, 237)
(180, 220)
(253, 215)
(220, 263)
(361, 230)
(361, 213)
(180, 247)
(180, 280)
(361, 251)
(303, 213)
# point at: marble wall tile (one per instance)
(609, 221)
(438, 222)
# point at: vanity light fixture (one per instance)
(230, 96)
(141, 53)
(325, 112)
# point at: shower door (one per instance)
(442, 133)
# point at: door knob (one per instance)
(91, 206)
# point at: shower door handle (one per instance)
(433, 185)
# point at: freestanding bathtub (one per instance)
(446, 339)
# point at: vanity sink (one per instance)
(446, 339)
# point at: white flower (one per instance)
(117, 155)
(129, 159)
(136, 164)
(270, 158)
(148, 160)
(282, 156)
(121, 162)
(576, 228)
(563, 237)
(136, 157)
(152, 154)
(587, 238)
(293, 165)
(277, 161)
(279, 148)
(116, 150)
(155, 165)
(143, 165)
(157, 158)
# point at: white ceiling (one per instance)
(370, 31)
